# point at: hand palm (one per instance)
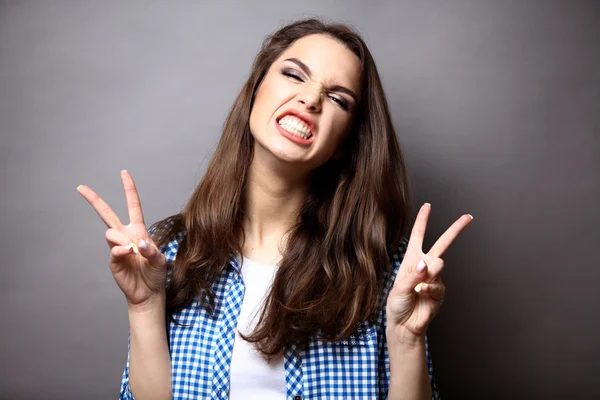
(141, 274)
(418, 293)
(137, 278)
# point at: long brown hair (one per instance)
(331, 275)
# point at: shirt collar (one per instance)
(235, 263)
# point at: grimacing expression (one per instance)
(303, 108)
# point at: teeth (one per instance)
(295, 126)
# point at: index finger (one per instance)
(415, 242)
(134, 207)
(444, 242)
(107, 215)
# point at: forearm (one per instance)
(149, 360)
(409, 377)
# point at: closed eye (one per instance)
(290, 73)
(296, 76)
(341, 102)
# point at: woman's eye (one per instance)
(341, 102)
(292, 74)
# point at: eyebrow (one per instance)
(336, 88)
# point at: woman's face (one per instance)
(303, 108)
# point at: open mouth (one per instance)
(295, 126)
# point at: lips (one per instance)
(306, 119)
(293, 135)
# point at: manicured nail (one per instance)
(79, 187)
(123, 171)
(134, 247)
(418, 287)
(128, 247)
(421, 266)
(470, 216)
(143, 245)
(428, 204)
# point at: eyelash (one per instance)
(292, 74)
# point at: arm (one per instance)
(149, 363)
(408, 368)
(139, 269)
(415, 298)
(148, 371)
(405, 365)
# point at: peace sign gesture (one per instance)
(137, 265)
(418, 290)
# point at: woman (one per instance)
(286, 275)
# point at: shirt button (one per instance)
(297, 397)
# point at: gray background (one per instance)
(496, 104)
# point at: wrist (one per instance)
(152, 305)
(403, 338)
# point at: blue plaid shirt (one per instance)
(356, 368)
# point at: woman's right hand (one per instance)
(137, 265)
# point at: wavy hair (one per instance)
(331, 274)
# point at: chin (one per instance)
(288, 156)
(283, 150)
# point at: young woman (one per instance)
(287, 275)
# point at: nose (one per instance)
(310, 97)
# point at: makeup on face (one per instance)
(334, 92)
(305, 103)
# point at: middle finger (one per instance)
(415, 242)
(134, 206)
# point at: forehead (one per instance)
(329, 60)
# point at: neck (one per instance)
(274, 196)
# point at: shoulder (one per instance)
(169, 249)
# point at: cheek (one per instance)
(266, 102)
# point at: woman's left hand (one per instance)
(418, 291)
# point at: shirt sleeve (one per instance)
(125, 392)
(170, 251)
(384, 357)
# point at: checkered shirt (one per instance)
(201, 349)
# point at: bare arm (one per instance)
(149, 360)
(415, 299)
(409, 377)
(139, 269)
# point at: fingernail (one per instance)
(128, 247)
(143, 245)
(79, 187)
(419, 287)
(470, 216)
(428, 204)
(134, 247)
(123, 171)
(421, 266)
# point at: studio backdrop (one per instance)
(496, 105)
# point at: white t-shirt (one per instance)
(251, 377)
